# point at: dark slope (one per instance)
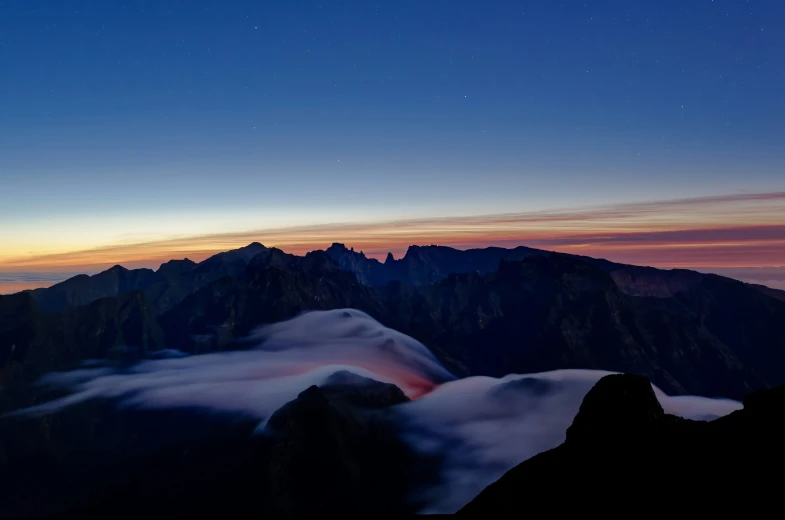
(30, 340)
(331, 450)
(164, 288)
(716, 337)
(275, 286)
(123, 329)
(719, 338)
(622, 449)
(334, 442)
(768, 291)
(83, 289)
(423, 265)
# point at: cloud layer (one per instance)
(291, 356)
(723, 231)
(481, 426)
(486, 426)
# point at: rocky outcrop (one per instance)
(623, 450)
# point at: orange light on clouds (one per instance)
(726, 231)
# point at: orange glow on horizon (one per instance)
(730, 231)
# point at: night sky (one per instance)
(125, 122)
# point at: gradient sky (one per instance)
(138, 122)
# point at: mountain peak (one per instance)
(338, 248)
(184, 261)
(390, 259)
(412, 251)
(619, 407)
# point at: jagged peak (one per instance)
(417, 250)
(390, 259)
(412, 251)
(337, 247)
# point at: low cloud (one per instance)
(485, 426)
(481, 426)
(290, 356)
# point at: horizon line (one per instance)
(732, 230)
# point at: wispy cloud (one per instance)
(721, 231)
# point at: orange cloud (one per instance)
(721, 231)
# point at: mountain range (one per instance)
(488, 312)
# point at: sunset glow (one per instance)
(744, 230)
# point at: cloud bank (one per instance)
(486, 426)
(737, 230)
(291, 356)
(482, 426)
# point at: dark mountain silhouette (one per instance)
(561, 312)
(648, 281)
(275, 286)
(331, 450)
(33, 343)
(622, 448)
(774, 293)
(83, 289)
(709, 335)
(164, 288)
(483, 312)
(424, 265)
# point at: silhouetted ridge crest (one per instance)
(618, 408)
(176, 267)
(622, 444)
(319, 261)
(767, 399)
(272, 257)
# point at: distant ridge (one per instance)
(489, 311)
(421, 265)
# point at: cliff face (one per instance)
(623, 449)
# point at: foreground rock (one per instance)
(622, 449)
(330, 451)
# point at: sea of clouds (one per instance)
(482, 426)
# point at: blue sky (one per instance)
(123, 120)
